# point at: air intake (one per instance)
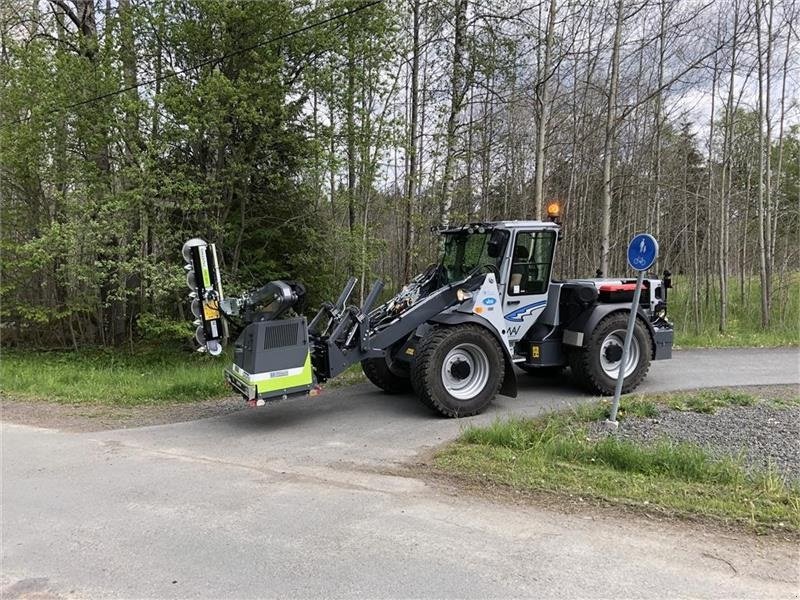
(281, 335)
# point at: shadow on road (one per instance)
(360, 402)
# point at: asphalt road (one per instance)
(294, 500)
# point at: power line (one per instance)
(209, 61)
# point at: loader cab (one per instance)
(520, 253)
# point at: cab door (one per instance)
(528, 280)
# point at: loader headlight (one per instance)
(462, 295)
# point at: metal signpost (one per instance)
(642, 254)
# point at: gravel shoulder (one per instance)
(763, 436)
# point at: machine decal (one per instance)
(489, 301)
(275, 380)
(519, 314)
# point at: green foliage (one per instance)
(557, 453)
(701, 328)
(154, 329)
(98, 199)
(111, 377)
(278, 153)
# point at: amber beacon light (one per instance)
(553, 211)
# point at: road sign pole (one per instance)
(642, 253)
(626, 348)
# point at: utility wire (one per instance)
(209, 61)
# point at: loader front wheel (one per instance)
(379, 373)
(458, 370)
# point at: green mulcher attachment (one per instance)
(202, 277)
(278, 355)
(271, 356)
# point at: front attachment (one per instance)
(271, 360)
(202, 277)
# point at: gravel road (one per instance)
(302, 500)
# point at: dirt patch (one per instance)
(94, 417)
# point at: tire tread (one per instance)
(420, 369)
(377, 371)
(583, 368)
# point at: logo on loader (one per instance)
(526, 311)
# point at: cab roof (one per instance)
(525, 224)
(501, 225)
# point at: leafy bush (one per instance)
(161, 330)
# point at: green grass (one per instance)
(708, 401)
(351, 376)
(557, 454)
(146, 377)
(121, 378)
(698, 329)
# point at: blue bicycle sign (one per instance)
(642, 252)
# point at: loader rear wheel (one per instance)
(458, 370)
(379, 373)
(597, 365)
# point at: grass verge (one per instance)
(116, 378)
(146, 377)
(696, 318)
(556, 453)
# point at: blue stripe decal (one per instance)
(525, 311)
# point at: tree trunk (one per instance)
(457, 91)
(411, 176)
(762, 151)
(543, 114)
(608, 146)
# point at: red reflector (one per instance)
(618, 287)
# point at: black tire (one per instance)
(379, 373)
(606, 340)
(542, 372)
(472, 343)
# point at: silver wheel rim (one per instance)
(611, 367)
(465, 371)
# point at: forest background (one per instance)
(315, 140)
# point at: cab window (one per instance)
(464, 252)
(530, 262)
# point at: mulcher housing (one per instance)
(454, 333)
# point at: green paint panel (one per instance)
(272, 384)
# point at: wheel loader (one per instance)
(455, 335)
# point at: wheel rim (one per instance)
(611, 354)
(465, 371)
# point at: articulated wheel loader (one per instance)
(452, 335)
